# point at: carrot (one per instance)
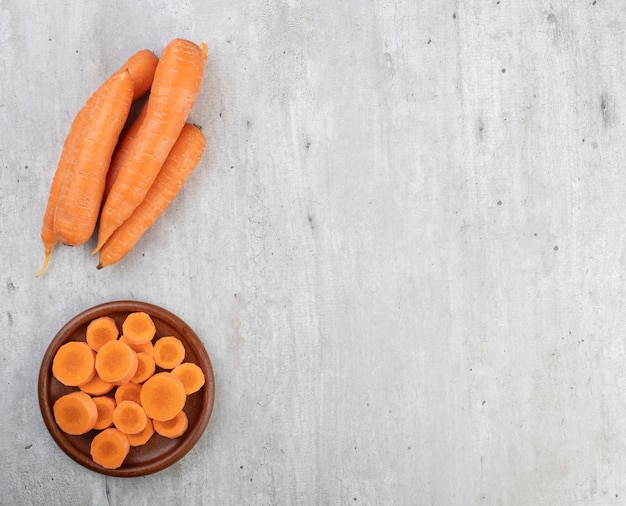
(122, 149)
(105, 405)
(177, 81)
(139, 348)
(129, 417)
(191, 375)
(100, 331)
(96, 386)
(128, 392)
(109, 448)
(141, 67)
(80, 197)
(181, 161)
(116, 362)
(75, 413)
(142, 437)
(145, 368)
(163, 396)
(168, 352)
(173, 428)
(73, 363)
(138, 328)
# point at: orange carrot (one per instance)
(96, 386)
(169, 352)
(109, 448)
(142, 437)
(75, 413)
(145, 368)
(141, 67)
(106, 406)
(181, 161)
(191, 375)
(176, 84)
(146, 348)
(116, 362)
(80, 197)
(100, 331)
(129, 417)
(122, 149)
(138, 328)
(128, 392)
(173, 428)
(73, 363)
(163, 396)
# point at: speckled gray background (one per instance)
(404, 248)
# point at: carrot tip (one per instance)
(45, 264)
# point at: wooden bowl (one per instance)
(159, 452)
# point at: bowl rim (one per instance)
(195, 431)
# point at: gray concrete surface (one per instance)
(404, 248)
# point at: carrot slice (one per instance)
(163, 396)
(173, 428)
(180, 163)
(176, 84)
(109, 448)
(129, 417)
(191, 375)
(75, 413)
(106, 406)
(96, 386)
(73, 363)
(138, 328)
(142, 437)
(145, 368)
(128, 392)
(139, 348)
(116, 362)
(100, 331)
(169, 352)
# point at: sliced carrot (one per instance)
(173, 428)
(142, 437)
(109, 448)
(139, 348)
(163, 396)
(141, 68)
(100, 331)
(96, 386)
(129, 417)
(73, 363)
(116, 362)
(128, 392)
(106, 406)
(138, 328)
(145, 368)
(75, 413)
(169, 352)
(181, 161)
(191, 375)
(80, 198)
(176, 84)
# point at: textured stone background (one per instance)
(404, 248)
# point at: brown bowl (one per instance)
(159, 452)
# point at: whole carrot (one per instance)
(80, 198)
(141, 67)
(182, 159)
(176, 84)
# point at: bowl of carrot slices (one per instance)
(126, 388)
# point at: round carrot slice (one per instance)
(191, 375)
(163, 396)
(100, 331)
(75, 413)
(173, 428)
(116, 362)
(109, 448)
(73, 364)
(169, 352)
(138, 328)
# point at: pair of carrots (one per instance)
(127, 181)
(129, 386)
